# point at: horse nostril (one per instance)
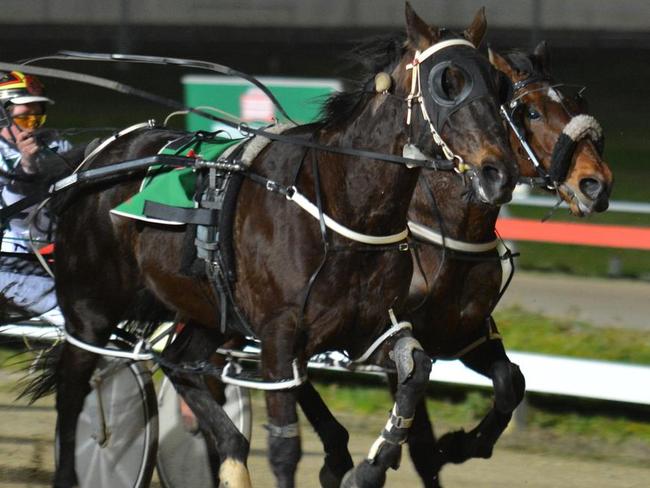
(591, 187)
(492, 174)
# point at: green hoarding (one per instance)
(300, 97)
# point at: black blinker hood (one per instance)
(476, 70)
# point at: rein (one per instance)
(436, 164)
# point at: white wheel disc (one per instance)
(120, 451)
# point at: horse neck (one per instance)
(378, 192)
(452, 212)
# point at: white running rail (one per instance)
(556, 375)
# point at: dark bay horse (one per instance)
(453, 293)
(107, 267)
(455, 287)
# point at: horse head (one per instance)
(563, 143)
(457, 91)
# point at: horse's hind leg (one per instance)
(196, 343)
(332, 434)
(74, 371)
(490, 360)
(413, 368)
(422, 442)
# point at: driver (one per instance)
(24, 154)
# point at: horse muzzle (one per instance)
(591, 196)
(493, 183)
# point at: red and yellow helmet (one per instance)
(19, 89)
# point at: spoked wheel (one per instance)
(183, 457)
(117, 432)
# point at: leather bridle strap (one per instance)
(416, 94)
(521, 137)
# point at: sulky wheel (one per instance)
(117, 432)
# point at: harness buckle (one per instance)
(272, 186)
(403, 247)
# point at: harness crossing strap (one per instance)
(295, 196)
(427, 234)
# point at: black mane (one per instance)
(374, 55)
(525, 63)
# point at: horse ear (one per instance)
(476, 31)
(499, 62)
(542, 55)
(420, 35)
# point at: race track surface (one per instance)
(601, 302)
(26, 456)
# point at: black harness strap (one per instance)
(199, 216)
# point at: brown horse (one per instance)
(453, 293)
(299, 288)
(456, 286)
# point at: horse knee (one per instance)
(412, 363)
(509, 386)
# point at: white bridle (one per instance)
(416, 94)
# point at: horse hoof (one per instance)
(328, 479)
(233, 474)
(484, 452)
(348, 480)
(365, 475)
(451, 447)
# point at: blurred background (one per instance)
(602, 44)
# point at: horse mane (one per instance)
(370, 56)
(373, 55)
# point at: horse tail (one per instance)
(42, 373)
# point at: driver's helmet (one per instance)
(18, 88)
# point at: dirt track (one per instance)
(601, 302)
(26, 457)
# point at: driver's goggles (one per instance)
(33, 121)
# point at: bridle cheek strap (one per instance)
(416, 94)
(580, 127)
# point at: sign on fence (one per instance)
(300, 97)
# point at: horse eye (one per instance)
(452, 83)
(533, 114)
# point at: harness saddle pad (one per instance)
(174, 187)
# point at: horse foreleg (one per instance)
(332, 434)
(196, 344)
(413, 368)
(489, 360)
(421, 442)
